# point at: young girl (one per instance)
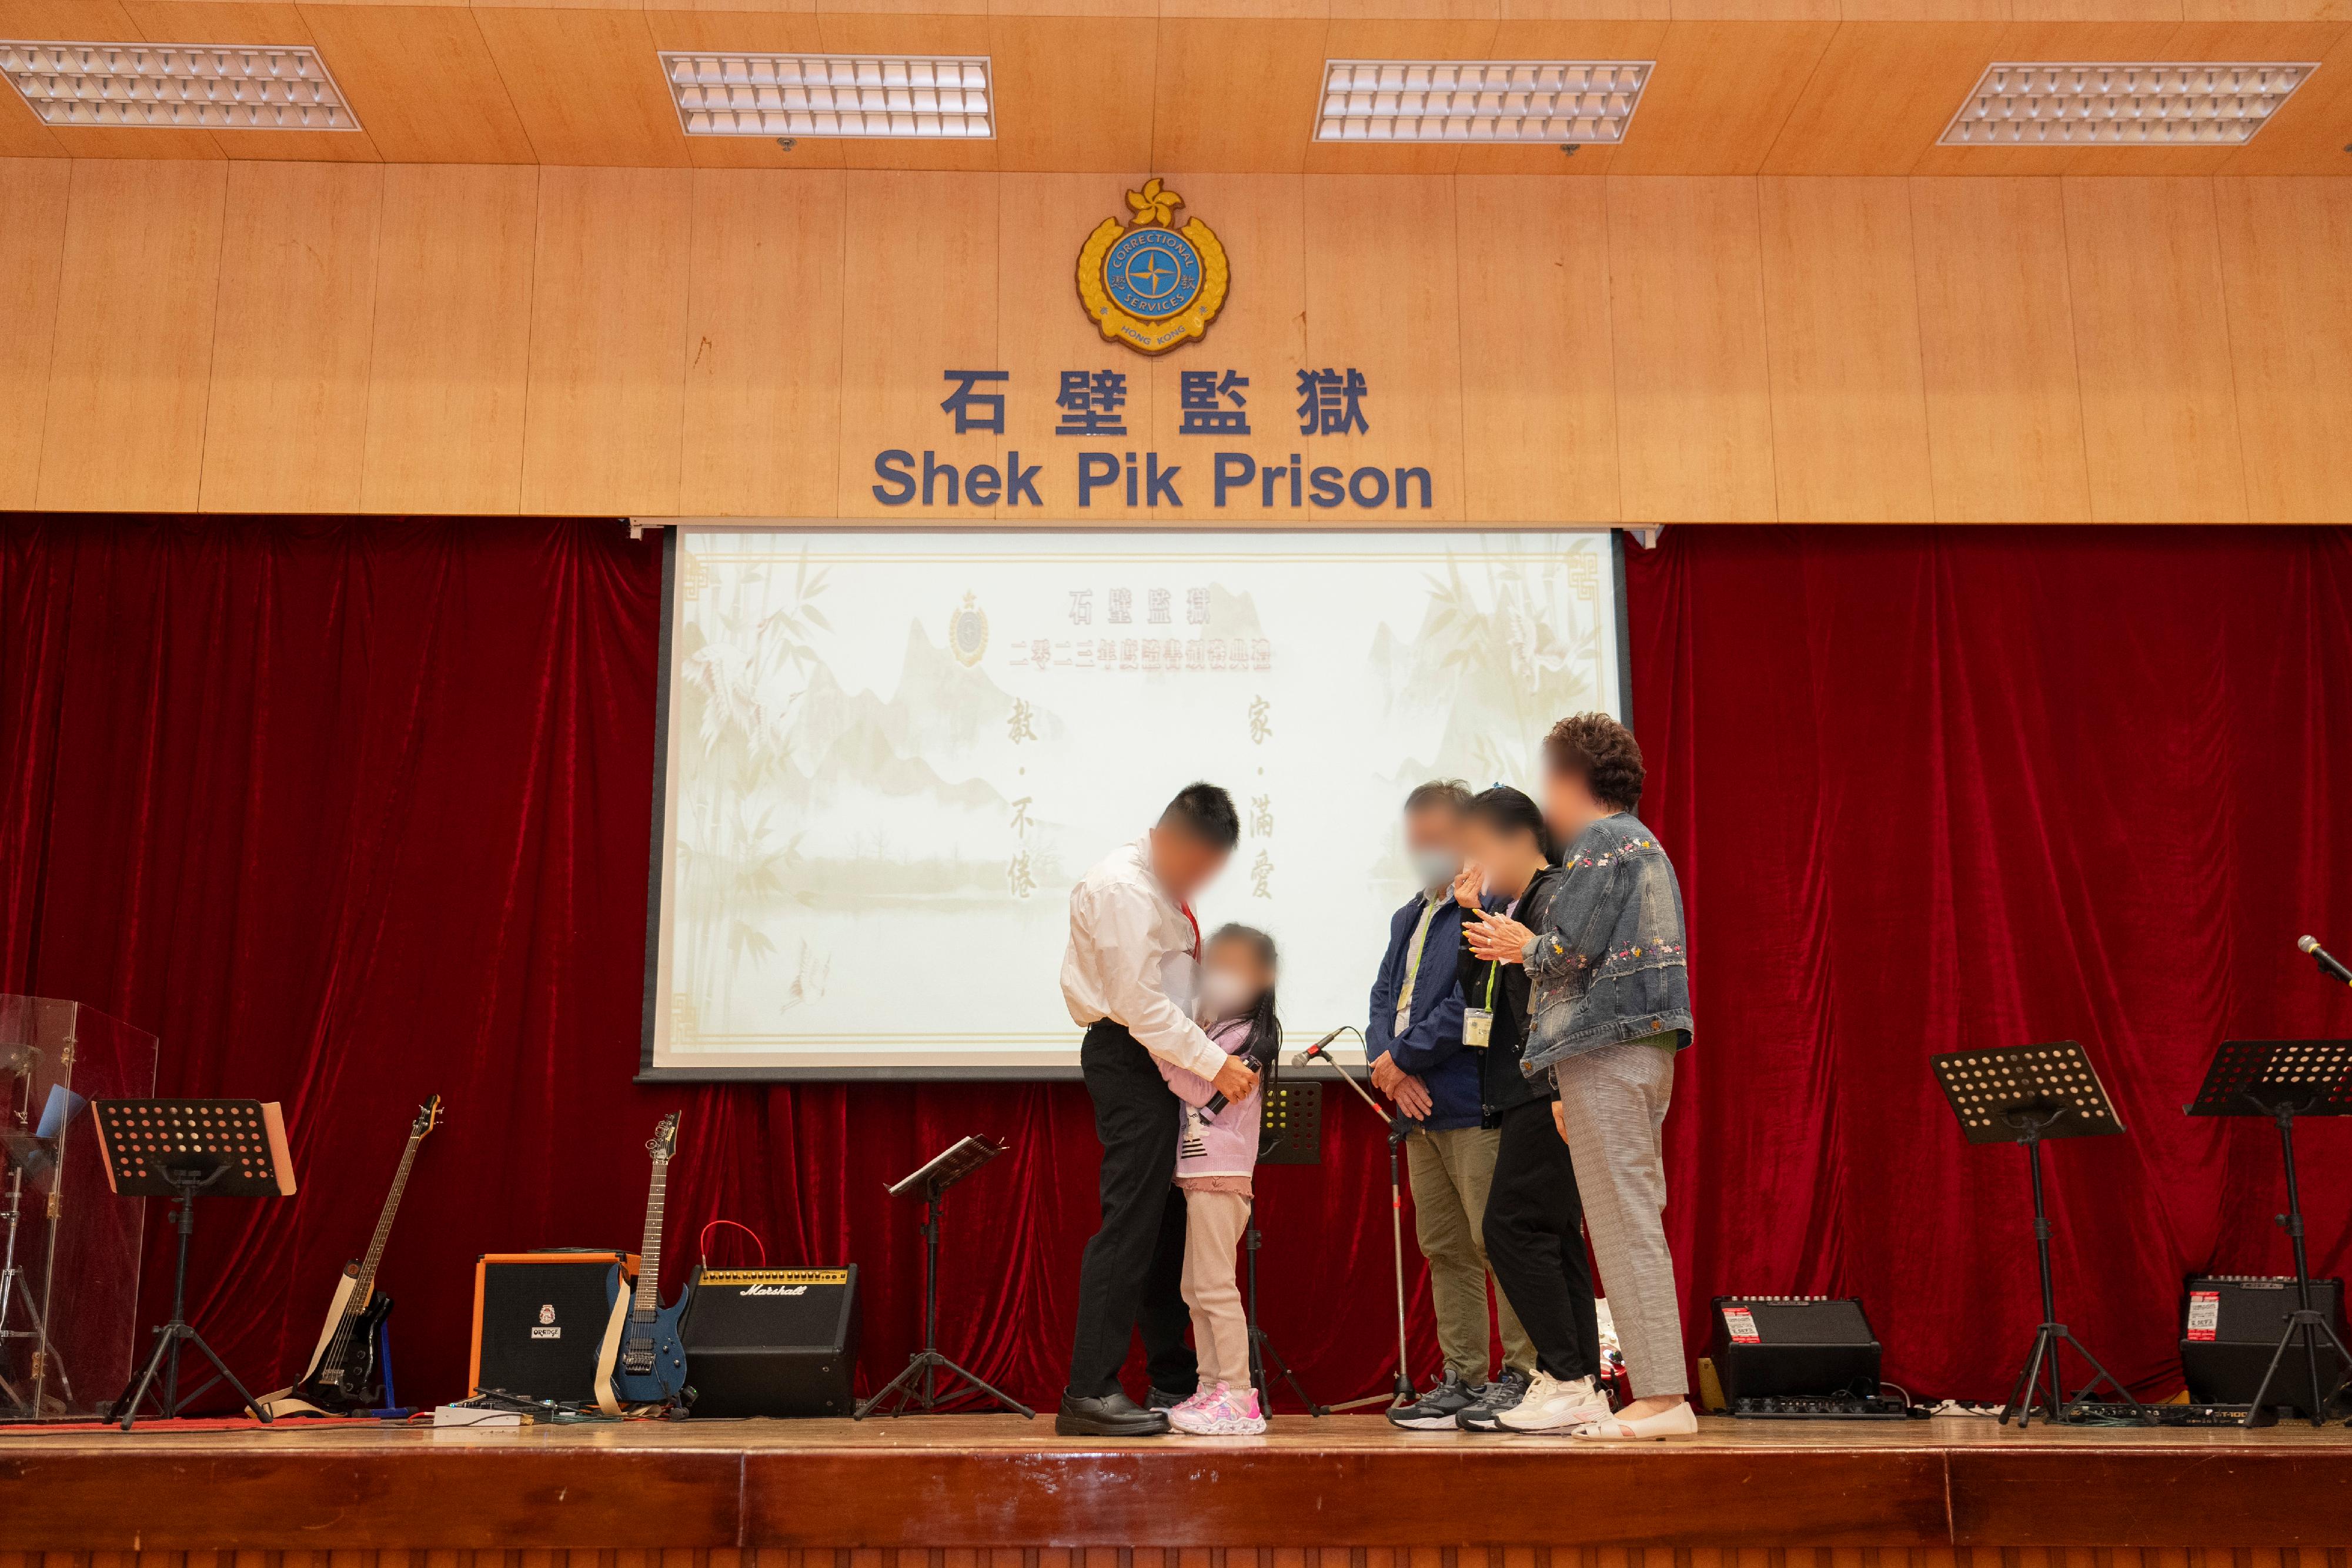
(1213, 1161)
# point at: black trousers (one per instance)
(1535, 1242)
(1133, 1271)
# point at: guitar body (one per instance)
(641, 1362)
(358, 1384)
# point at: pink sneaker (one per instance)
(1228, 1413)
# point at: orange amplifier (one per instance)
(539, 1321)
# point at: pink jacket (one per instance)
(1224, 1144)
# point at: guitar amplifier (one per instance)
(539, 1321)
(1771, 1347)
(2230, 1325)
(772, 1342)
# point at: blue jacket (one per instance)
(1607, 965)
(1431, 1047)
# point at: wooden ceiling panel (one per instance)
(421, 81)
(585, 85)
(2308, 136)
(1721, 92)
(1235, 96)
(1534, 39)
(2042, 40)
(1882, 93)
(1377, 38)
(22, 134)
(1073, 92)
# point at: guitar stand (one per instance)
(392, 1409)
(170, 1402)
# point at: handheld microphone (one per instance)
(1256, 1064)
(2328, 964)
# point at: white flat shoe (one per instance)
(1681, 1421)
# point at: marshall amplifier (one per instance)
(1769, 1347)
(2230, 1325)
(772, 1342)
(539, 1321)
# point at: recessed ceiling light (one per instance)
(936, 96)
(1479, 100)
(213, 87)
(2037, 103)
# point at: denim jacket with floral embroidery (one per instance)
(1608, 967)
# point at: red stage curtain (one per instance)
(350, 812)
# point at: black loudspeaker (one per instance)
(2230, 1324)
(1774, 1346)
(539, 1321)
(772, 1342)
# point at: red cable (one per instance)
(702, 1244)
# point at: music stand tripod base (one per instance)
(2029, 1094)
(2280, 1080)
(916, 1387)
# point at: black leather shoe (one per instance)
(1112, 1415)
(1160, 1399)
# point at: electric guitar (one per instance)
(342, 1375)
(642, 1361)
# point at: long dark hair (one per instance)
(1265, 1043)
(1507, 810)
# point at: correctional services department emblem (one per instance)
(968, 632)
(1148, 284)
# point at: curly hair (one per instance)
(1600, 751)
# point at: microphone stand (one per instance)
(1400, 1128)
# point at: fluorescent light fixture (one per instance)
(1479, 100)
(210, 87)
(939, 97)
(2159, 103)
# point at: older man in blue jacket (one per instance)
(1420, 1062)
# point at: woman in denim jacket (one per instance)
(1611, 997)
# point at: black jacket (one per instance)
(1501, 1083)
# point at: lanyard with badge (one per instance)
(1478, 1023)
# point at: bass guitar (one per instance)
(344, 1374)
(642, 1360)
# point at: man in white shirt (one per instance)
(1128, 978)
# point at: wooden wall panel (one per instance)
(452, 340)
(286, 427)
(1996, 348)
(33, 193)
(2285, 249)
(763, 344)
(1842, 313)
(131, 365)
(1383, 297)
(920, 300)
(1039, 224)
(1538, 370)
(1686, 310)
(605, 415)
(2151, 334)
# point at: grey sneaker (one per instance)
(1436, 1410)
(1497, 1397)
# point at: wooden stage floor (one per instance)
(948, 1486)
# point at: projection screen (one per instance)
(887, 756)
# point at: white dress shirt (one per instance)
(1130, 959)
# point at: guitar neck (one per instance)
(649, 1291)
(365, 1288)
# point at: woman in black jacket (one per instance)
(1534, 1225)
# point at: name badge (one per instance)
(1477, 1028)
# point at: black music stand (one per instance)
(2284, 1079)
(2028, 1094)
(913, 1388)
(184, 1150)
(1289, 1133)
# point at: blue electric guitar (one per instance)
(642, 1361)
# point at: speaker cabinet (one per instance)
(1775, 1346)
(2230, 1324)
(772, 1342)
(539, 1320)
